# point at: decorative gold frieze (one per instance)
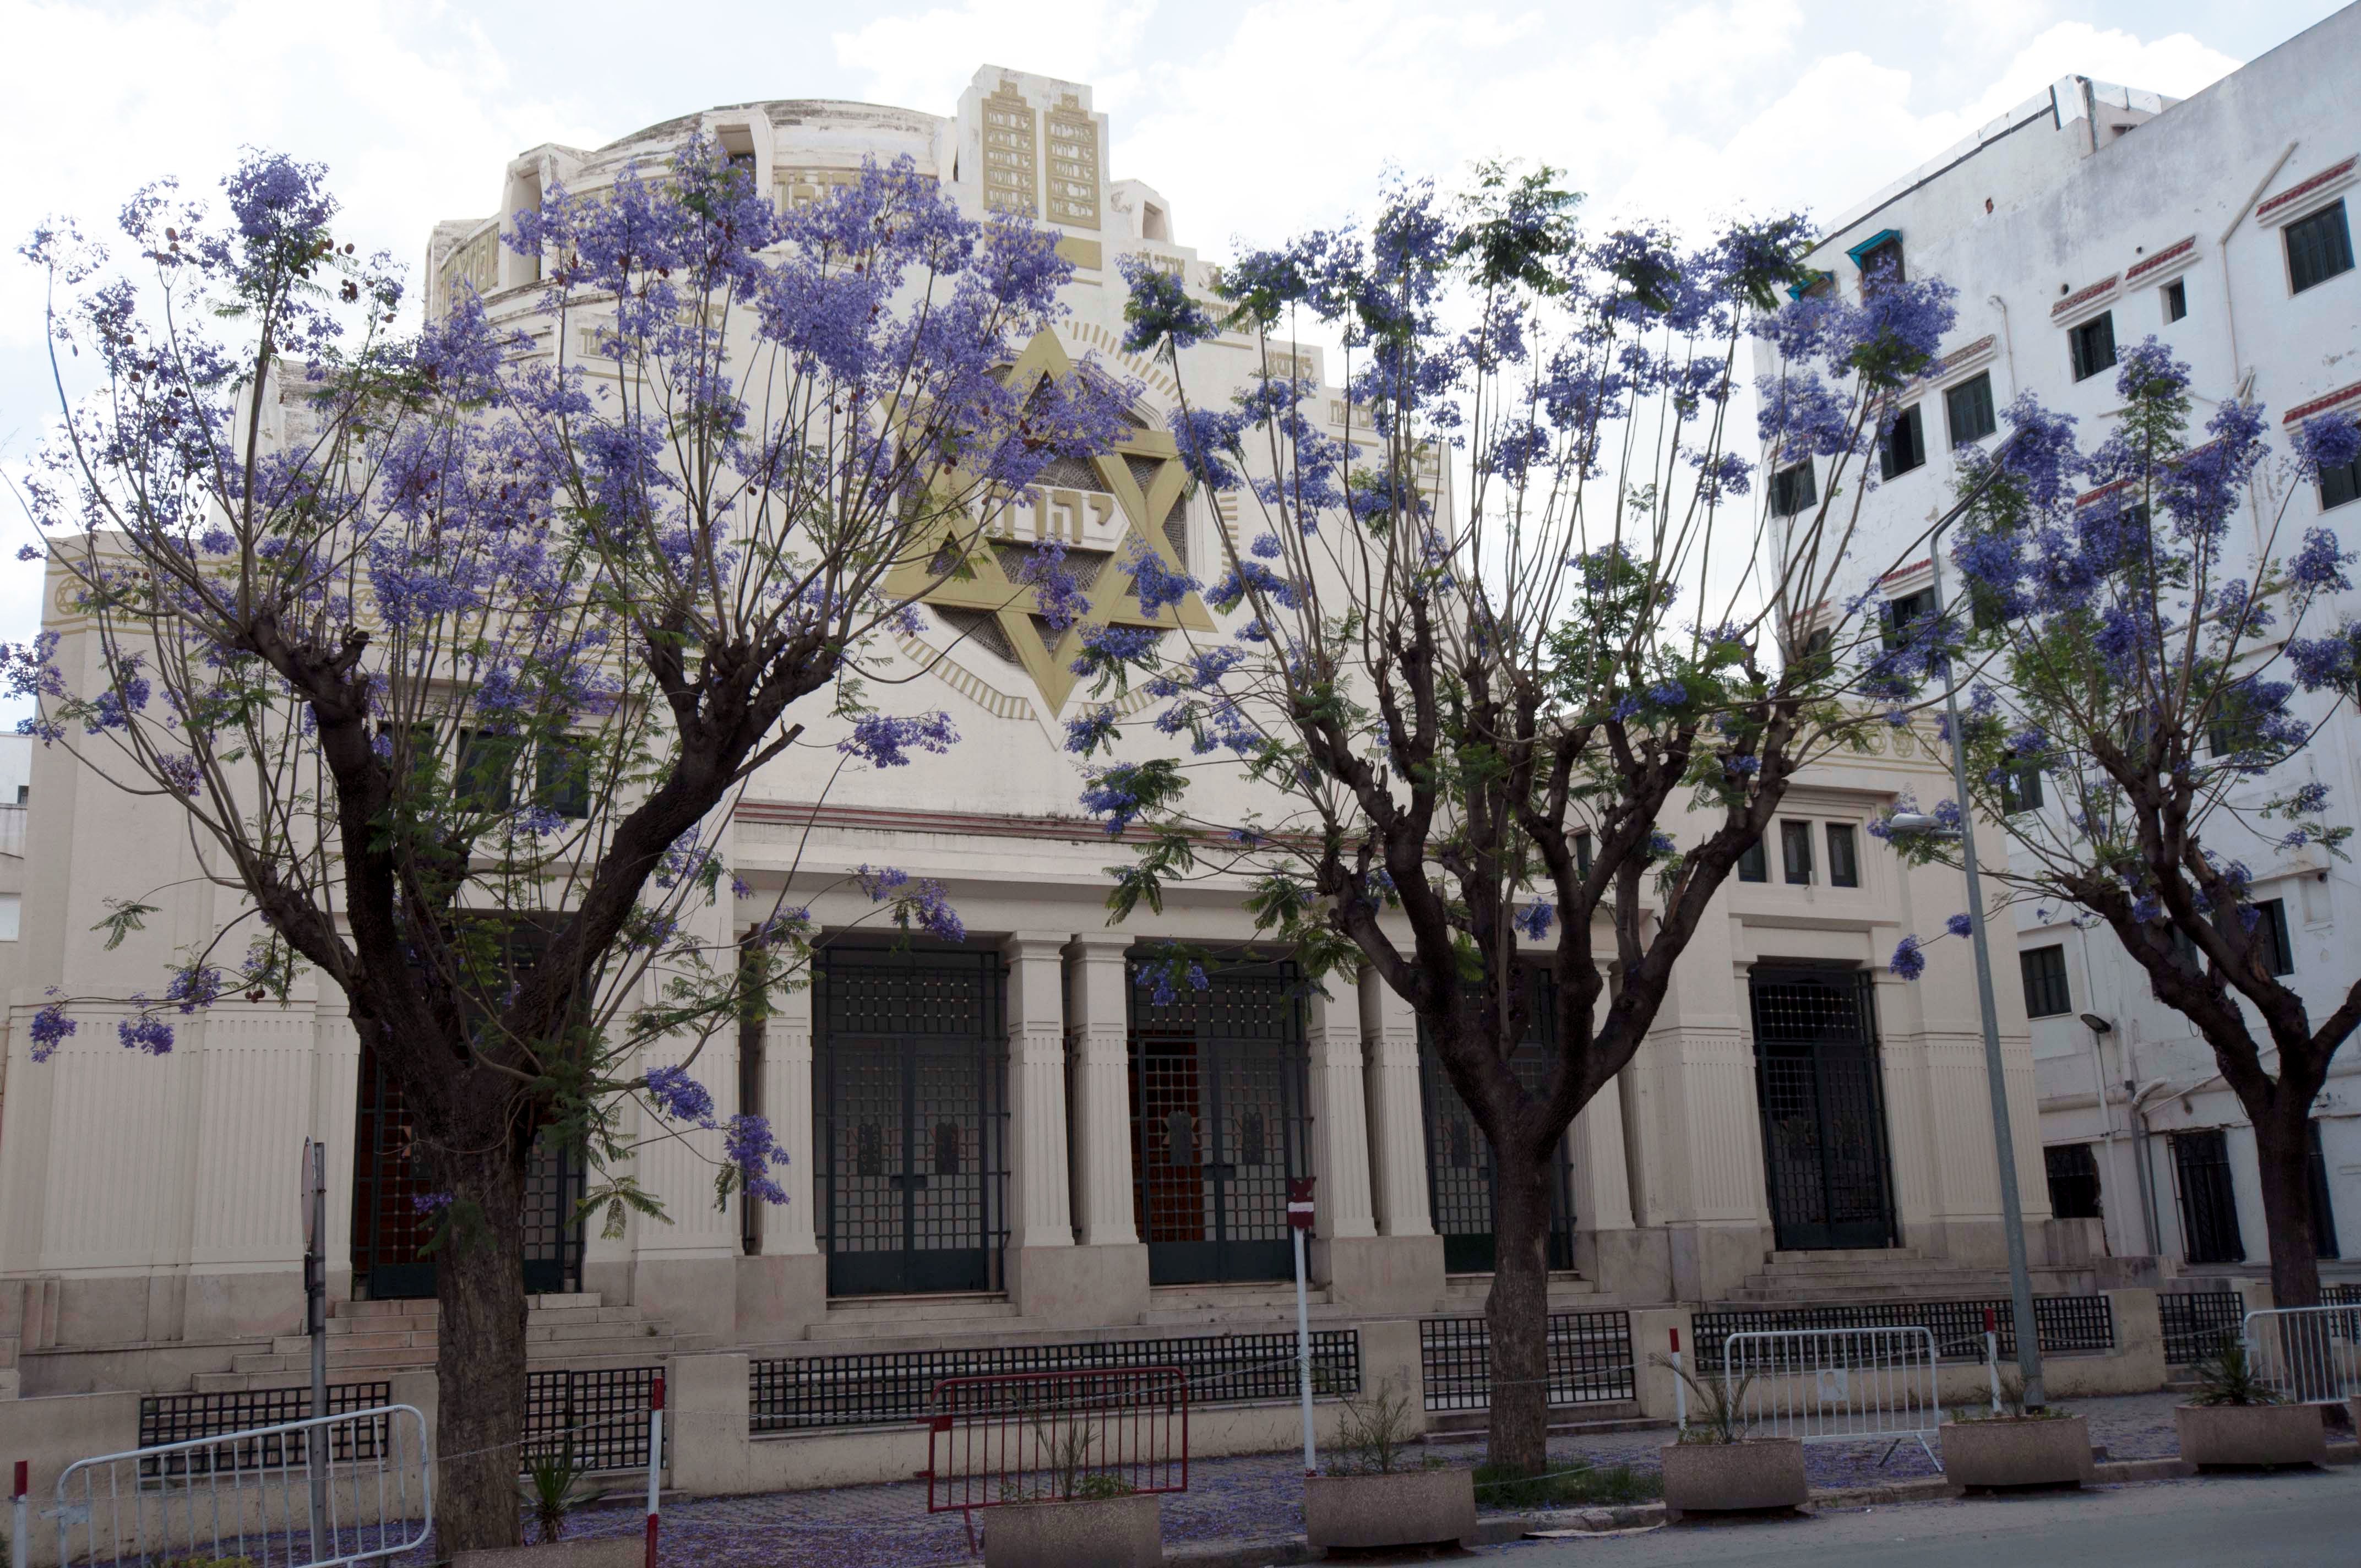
(795, 188)
(1073, 165)
(475, 265)
(1011, 152)
(1086, 253)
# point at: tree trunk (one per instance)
(480, 1357)
(1517, 1312)
(2283, 1158)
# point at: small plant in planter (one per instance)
(1715, 1467)
(2237, 1418)
(552, 1488)
(1370, 1495)
(555, 1481)
(2016, 1446)
(1074, 1515)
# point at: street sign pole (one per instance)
(1299, 1220)
(314, 1186)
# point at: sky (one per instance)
(1255, 120)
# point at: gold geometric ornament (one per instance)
(1120, 504)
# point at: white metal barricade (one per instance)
(248, 1497)
(2307, 1355)
(1834, 1385)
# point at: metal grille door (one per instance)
(1823, 1110)
(1217, 1095)
(913, 1170)
(2209, 1209)
(1459, 1163)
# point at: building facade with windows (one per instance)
(1008, 1137)
(2087, 219)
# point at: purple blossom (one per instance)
(2327, 441)
(144, 1033)
(747, 1142)
(50, 1028)
(679, 1096)
(1959, 924)
(1155, 584)
(1158, 312)
(1091, 728)
(885, 739)
(1910, 959)
(429, 1204)
(1534, 919)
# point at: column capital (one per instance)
(1034, 944)
(1101, 945)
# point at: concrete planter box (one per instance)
(1730, 1477)
(2018, 1453)
(1402, 1508)
(606, 1552)
(2251, 1435)
(1102, 1532)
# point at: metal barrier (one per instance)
(1590, 1360)
(2307, 1355)
(248, 1498)
(1041, 1436)
(2196, 1322)
(1834, 1385)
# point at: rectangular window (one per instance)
(1879, 259)
(2209, 1206)
(1793, 490)
(562, 778)
(2176, 300)
(2323, 1212)
(2318, 248)
(1969, 407)
(2272, 929)
(2338, 486)
(2091, 346)
(487, 772)
(1901, 446)
(1901, 612)
(2020, 788)
(1844, 861)
(1796, 853)
(1753, 866)
(2073, 1181)
(1582, 854)
(2046, 991)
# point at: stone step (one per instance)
(427, 1307)
(1241, 1317)
(922, 1308)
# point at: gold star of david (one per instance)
(985, 587)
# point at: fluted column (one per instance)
(790, 1229)
(1098, 1033)
(1340, 1123)
(1397, 1118)
(1039, 1214)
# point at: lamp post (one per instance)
(2020, 1281)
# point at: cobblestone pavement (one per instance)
(1251, 1496)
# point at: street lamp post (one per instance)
(2020, 1279)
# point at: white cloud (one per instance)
(924, 60)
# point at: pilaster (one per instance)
(1040, 1214)
(1396, 1119)
(1340, 1123)
(1098, 1035)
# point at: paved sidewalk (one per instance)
(1257, 1496)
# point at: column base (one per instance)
(779, 1296)
(1708, 1261)
(1632, 1265)
(695, 1295)
(1079, 1286)
(1381, 1274)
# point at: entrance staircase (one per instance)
(368, 1341)
(1465, 1295)
(1880, 1274)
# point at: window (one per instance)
(1844, 861)
(1796, 853)
(1879, 258)
(1753, 866)
(487, 772)
(2339, 485)
(2020, 787)
(2318, 248)
(2073, 1181)
(1793, 490)
(2323, 1212)
(1582, 853)
(1969, 407)
(2209, 1206)
(563, 781)
(2046, 991)
(1901, 612)
(2091, 346)
(2271, 927)
(2176, 300)
(1902, 445)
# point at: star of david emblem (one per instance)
(1101, 511)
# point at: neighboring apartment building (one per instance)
(2084, 220)
(1008, 1126)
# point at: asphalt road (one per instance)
(2299, 1518)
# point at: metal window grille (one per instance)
(166, 1418)
(2066, 1323)
(1589, 1360)
(2091, 346)
(2073, 1181)
(913, 1118)
(2195, 1320)
(1219, 1122)
(2319, 247)
(1459, 1165)
(599, 1416)
(893, 1388)
(1823, 1105)
(2208, 1207)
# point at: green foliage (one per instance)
(2229, 1376)
(1717, 1411)
(1373, 1427)
(1498, 1486)
(555, 1481)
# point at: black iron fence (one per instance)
(599, 1416)
(884, 1388)
(1589, 1360)
(2195, 1320)
(184, 1418)
(2066, 1324)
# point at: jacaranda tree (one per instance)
(2150, 640)
(453, 650)
(1527, 730)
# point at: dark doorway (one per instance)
(2324, 1211)
(390, 1231)
(1217, 1095)
(911, 1052)
(1823, 1102)
(1459, 1162)
(2208, 1207)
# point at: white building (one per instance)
(2087, 217)
(1002, 1125)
